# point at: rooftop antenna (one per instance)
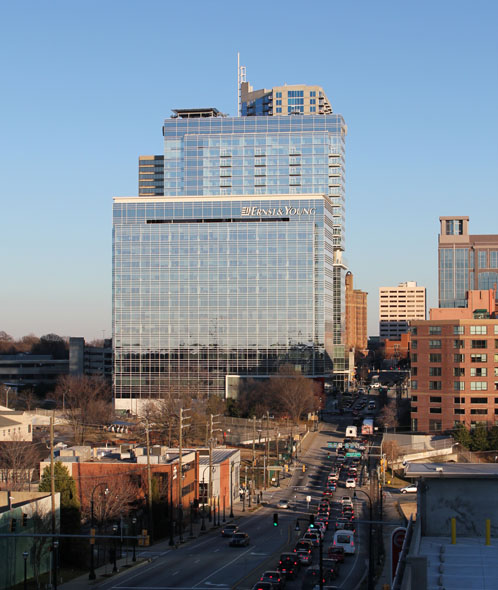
(241, 77)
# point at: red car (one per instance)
(337, 553)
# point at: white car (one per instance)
(346, 500)
(283, 504)
(412, 488)
(345, 539)
(350, 482)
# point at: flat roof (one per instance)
(467, 470)
(470, 564)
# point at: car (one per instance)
(332, 567)
(228, 530)
(288, 564)
(312, 577)
(263, 586)
(303, 545)
(336, 552)
(347, 500)
(239, 540)
(274, 577)
(305, 557)
(409, 489)
(283, 504)
(313, 537)
(350, 482)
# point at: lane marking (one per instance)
(223, 567)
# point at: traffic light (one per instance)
(304, 468)
(13, 525)
(286, 467)
(312, 521)
(275, 519)
(24, 519)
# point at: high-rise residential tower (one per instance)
(237, 269)
(397, 306)
(466, 262)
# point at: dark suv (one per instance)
(289, 565)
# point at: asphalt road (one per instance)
(208, 563)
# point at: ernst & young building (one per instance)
(237, 269)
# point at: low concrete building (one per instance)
(454, 542)
(25, 513)
(14, 427)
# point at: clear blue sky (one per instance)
(87, 84)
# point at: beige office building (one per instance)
(397, 306)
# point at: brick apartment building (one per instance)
(454, 360)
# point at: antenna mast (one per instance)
(241, 77)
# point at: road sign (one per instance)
(332, 444)
(353, 454)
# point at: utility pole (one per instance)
(180, 474)
(253, 449)
(267, 447)
(149, 478)
(52, 471)
(210, 440)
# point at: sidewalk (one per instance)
(392, 517)
(145, 555)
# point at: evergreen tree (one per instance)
(70, 515)
(462, 435)
(479, 438)
(493, 438)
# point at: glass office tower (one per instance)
(208, 288)
(202, 289)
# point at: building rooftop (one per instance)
(218, 456)
(468, 565)
(447, 470)
(196, 113)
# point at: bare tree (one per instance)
(113, 495)
(42, 525)
(388, 415)
(295, 393)
(18, 459)
(392, 451)
(86, 403)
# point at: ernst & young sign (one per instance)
(277, 211)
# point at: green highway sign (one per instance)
(353, 454)
(332, 444)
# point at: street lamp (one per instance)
(370, 543)
(54, 557)
(134, 523)
(231, 490)
(92, 575)
(25, 556)
(115, 532)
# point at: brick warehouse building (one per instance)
(454, 358)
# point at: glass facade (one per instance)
(205, 287)
(258, 155)
(453, 276)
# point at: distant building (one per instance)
(90, 360)
(397, 306)
(151, 175)
(454, 360)
(430, 557)
(296, 99)
(466, 262)
(31, 370)
(397, 349)
(356, 316)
